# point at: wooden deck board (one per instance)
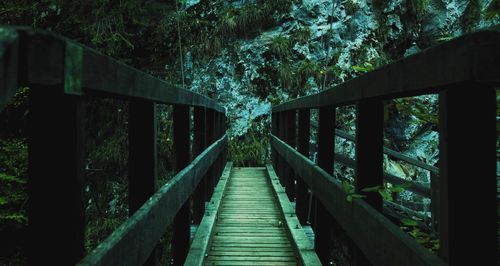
(249, 228)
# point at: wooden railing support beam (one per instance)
(142, 158)
(468, 203)
(55, 185)
(302, 201)
(199, 145)
(326, 149)
(181, 234)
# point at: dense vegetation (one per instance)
(151, 35)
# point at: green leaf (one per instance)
(405, 185)
(371, 189)
(385, 195)
(3, 201)
(357, 196)
(361, 69)
(349, 198)
(346, 186)
(397, 189)
(409, 222)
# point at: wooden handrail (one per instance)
(371, 231)
(390, 152)
(133, 241)
(59, 73)
(41, 57)
(465, 72)
(471, 57)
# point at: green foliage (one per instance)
(250, 19)
(471, 15)
(351, 7)
(280, 46)
(301, 35)
(287, 76)
(387, 190)
(427, 239)
(350, 191)
(417, 7)
(13, 194)
(366, 67)
(493, 10)
(409, 106)
(249, 150)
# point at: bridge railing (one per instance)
(464, 72)
(60, 74)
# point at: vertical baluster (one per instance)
(468, 203)
(289, 138)
(302, 202)
(199, 196)
(281, 134)
(180, 239)
(274, 132)
(219, 135)
(326, 146)
(369, 149)
(224, 128)
(142, 158)
(209, 140)
(369, 158)
(55, 167)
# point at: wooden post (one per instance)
(199, 196)
(289, 138)
(142, 158)
(326, 149)
(369, 158)
(181, 234)
(209, 129)
(55, 168)
(224, 153)
(281, 135)
(369, 149)
(302, 201)
(274, 132)
(468, 203)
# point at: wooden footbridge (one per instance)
(244, 216)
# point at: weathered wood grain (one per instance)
(302, 245)
(382, 241)
(249, 228)
(201, 240)
(133, 241)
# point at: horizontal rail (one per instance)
(134, 240)
(472, 57)
(416, 187)
(303, 246)
(390, 152)
(45, 58)
(204, 233)
(379, 239)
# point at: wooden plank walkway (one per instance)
(249, 229)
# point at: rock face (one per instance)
(343, 38)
